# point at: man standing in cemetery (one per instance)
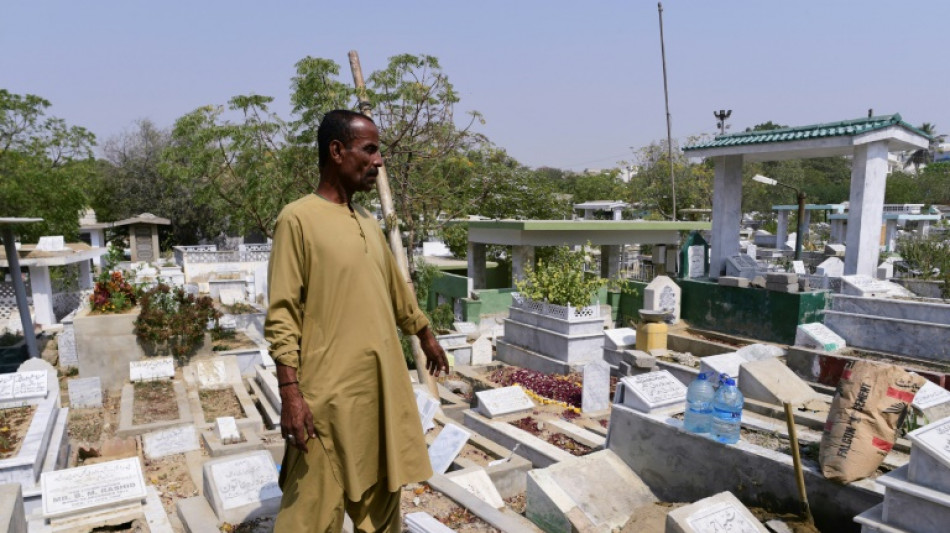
(348, 413)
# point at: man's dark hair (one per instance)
(337, 125)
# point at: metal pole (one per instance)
(13, 261)
(666, 98)
(801, 225)
(392, 224)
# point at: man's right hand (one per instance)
(296, 420)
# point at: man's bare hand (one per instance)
(436, 361)
(296, 420)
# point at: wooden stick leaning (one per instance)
(392, 225)
(797, 462)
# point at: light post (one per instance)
(801, 211)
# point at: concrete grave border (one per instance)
(126, 412)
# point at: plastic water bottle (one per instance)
(699, 398)
(727, 412)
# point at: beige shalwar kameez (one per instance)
(336, 297)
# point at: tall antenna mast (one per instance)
(666, 98)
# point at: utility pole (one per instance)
(666, 98)
(392, 224)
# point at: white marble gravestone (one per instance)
(152, 369)
(798, 267)
(179, 439)
(211, 374)
(868, 287)
(722, 513)
(85, 488)
(477, 482)
(31, 384)
(427, 406)
(696, 255)
(741, 266)
(482, 351)
(503, 401)
(231, 296)
(653, 390)
(446, 447)
(242, 486)
(85, 392)
(53, 243)
(465, 327)
(663, 294)
(724, 363)
(620, 338)
(595, 394)
(225, 428)
(933, 401)
(66, 342)
(818, 335)
(751, 251)
(930, 456)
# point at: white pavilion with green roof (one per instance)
(867, 141)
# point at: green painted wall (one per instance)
(757, 313)
(630, 304)
(451, 286)
(489, 301)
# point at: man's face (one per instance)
(360, 158)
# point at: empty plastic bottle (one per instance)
(699, 398)
(727, 412)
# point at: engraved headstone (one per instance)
(225, 428)
(6, 387)
(595, 394)
(66, 342)
(724, 363)
(211, 374)
(30, 387)
(85, 392)
(465, 327)
(477, 482)
(751, 250)
(427, 406)
(231, 296)
(179, 439)
(652, 390)
(31, 384)
(482, 351)
(722, 513)
(446, 447)
(818, 335)
(84, 488)
(933, 401)
(663, 294)
(152, 369)
(697, 260)
(741, 266)
(240, 486)
(798, 267)
(503, 401)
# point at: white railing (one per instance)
(248, 253)
(911, 209)
(558, 311)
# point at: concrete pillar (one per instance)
(868, 177)
(781, 230)
(609, 260)
(727, 212)
(618, 214)
(837, 231)
(85, 275)
(924, 228)
(588, 214)
(522, 258)
(476, 264)
(890, 235)
(97, 239)
(42, 289)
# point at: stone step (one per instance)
(567, 348)
(519, 356)
(872, 521)
(914, 507)
(930, 456)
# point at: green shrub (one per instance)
(561, 280)
(173, 320)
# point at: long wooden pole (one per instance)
(797, 463)
(666, 99)
(392, 224)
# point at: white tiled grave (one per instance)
(503, 401)
(242, 487)
(23, 388)
(653, 390)
(715, 514)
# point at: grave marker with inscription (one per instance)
(645, 392)
(152, 369)
(241, 487)
(85, 488)
(226, 430)
(85, 392)
(663, 294)
(503, 401)
(933, 401)
(211, 374)
(798, 267)
(722, 513)
(620, 338)
(446, 447)
(427, 407)
(478, 483)
(482, 351)
(818, 335)
(170, 441)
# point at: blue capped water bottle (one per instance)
(699, 398)
(727, 412)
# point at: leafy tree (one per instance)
(923, 156)
(651, 186)
(44, 164)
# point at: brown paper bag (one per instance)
(870, 404)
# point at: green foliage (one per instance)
(9, 338)
(112, 294)
(44, 166)
(561, 280)
(650, 188)
(442, 317)
(173, 320)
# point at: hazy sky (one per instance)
(563, 84)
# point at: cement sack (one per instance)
(870, 404)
